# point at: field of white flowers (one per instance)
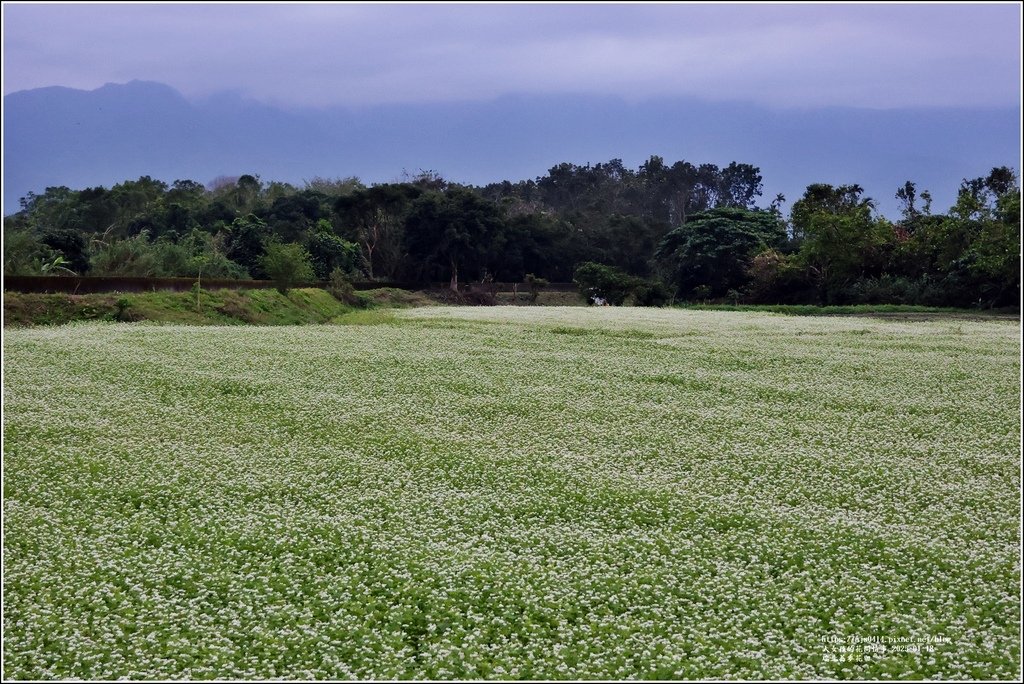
(509, 493)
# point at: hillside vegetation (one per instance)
(216, 307)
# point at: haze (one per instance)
(875, 56)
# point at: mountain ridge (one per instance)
(81, 138)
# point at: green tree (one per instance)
(840, 239)
(246, 243)
(292, 217)
(328, 251)
(287, 265)
(605, 282)
(453, 232)
(374, 219)
(987, 212)
(713, 249)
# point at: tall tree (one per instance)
(374, 218)
(453, 231)
(840, 240)
(714, 249)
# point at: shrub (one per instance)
(597, 281)
(536, 285)
(651, 293)
(287, 265)
(886, 289)
(340, 287)
(134, 256)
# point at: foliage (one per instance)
(453, 230)
(599, 283)
(25, 253)
(329, 252)
(341, 289)
(713, 249)
(58, 266)
(840, 239)
(536, 285)
(287, 265)
(651, 293)
(133, 256)
(772, 276)
(695, 226)
(374, 219)
(247, 238)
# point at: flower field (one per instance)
(514, 492)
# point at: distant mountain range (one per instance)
(61, 136)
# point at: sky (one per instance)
(323, 54)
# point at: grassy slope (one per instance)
(303, 306)
(217, 307)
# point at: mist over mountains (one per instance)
(61, 136)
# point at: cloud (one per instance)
(326, 54)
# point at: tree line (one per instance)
(658, 233)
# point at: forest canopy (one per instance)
(695, 232)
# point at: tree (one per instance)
(328, 251)
(597, 281)
(738, 185)
(289, 218)
(713, 249)
(136, 202)
(246, 239)
(970, 255)
(70, 244)
(374, 218)
(986, 217)
(287, 265)
(840, 240)
(907, 195)
(453, 231)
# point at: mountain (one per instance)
(61, 136)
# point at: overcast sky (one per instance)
(877, 56)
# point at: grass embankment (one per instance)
(310, 306)
(212, 307)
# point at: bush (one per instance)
(886, 289)
(134, 256)
(536, 285)
(287, 265)
(774, 278)
(598, 282)
(651, 293)
(340, 287)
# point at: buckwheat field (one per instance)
(539, 493)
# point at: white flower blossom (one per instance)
(512, 493)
